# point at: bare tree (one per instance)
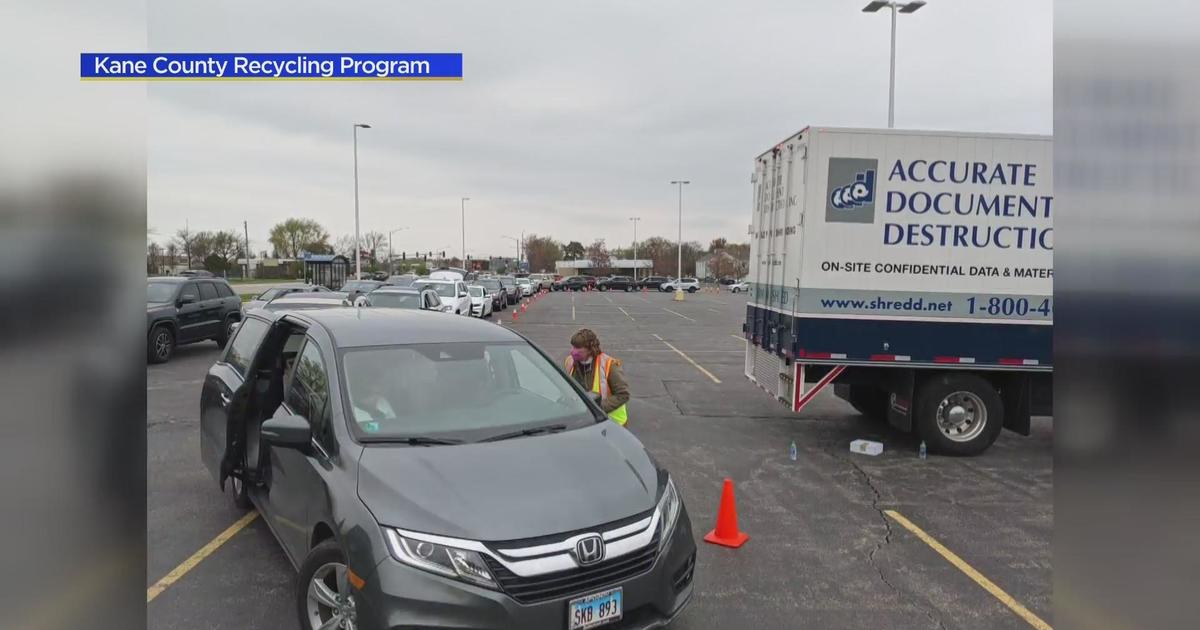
(597, 253)
(374, 243)
(153, 258)
(185, 239)
(344, 245)
(541, 252)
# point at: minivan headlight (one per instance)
(668, 513)
(460, 564)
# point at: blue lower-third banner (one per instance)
(270, 66)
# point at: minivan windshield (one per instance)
(459, 391)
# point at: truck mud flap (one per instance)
(1016, 393)
(899, 385)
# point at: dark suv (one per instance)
(575, 283)
(187, 310)
(653, 282)
(617, 283)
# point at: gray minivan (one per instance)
(441, 472)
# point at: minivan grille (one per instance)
(578, 581)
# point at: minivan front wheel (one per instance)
(324, 596)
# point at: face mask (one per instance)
(580, 354)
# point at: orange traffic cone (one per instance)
(523, 306)
(726, 533)
(514, 314)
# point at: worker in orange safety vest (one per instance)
(600, 373)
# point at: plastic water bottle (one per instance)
(922, 451)
(792, 451)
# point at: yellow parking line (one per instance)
(689, 360)
(198, 557)
(961, 565)
(627, 314)
(679, 314)
(738, 337)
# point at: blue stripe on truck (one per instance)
(923, 341)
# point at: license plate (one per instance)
(593, 610)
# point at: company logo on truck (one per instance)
(851, 190)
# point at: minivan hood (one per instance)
(512, 489)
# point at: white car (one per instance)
(740, 286)
(691, 285)
(481, 302)
(526, 286)
(542, 281)
(453, 294)
(261, 299)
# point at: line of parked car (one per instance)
(194, 308)
(626, 283)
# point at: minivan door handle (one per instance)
(225, 400)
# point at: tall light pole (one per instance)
(635, 222)
(679, 277)
(391, 256)
(357, 247)
(464, 231)
(902, 7)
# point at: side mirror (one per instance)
(186, 299)
(287, 432)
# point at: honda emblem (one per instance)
(589, 550)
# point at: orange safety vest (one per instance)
(603, 364)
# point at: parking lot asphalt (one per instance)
(823, 550)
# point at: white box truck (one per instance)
(913, 270)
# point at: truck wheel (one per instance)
(161, 344)
(959, 414)
(870, 401)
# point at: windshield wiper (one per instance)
(550, 428)
(415, 440)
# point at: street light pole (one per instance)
(901, 7)
(464, 230)
(635, 222)
(679, 277)
(357, 246)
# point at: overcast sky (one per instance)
(572, 116)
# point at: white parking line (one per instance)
(572, 307)
(626, 313)
(679, 314)
(609, 299)
(689, 360)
